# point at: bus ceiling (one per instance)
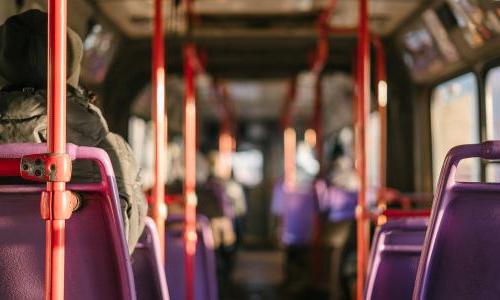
(242, 18)
(241, 37)
(253, 18)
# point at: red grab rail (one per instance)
(225, 150)
(190, 235)
(160, 123)
(225, 115)
(398, 213)
(10, 167)
(381, 78)
(317, 121)
(55, 202)
(362, 102)
(289, 137)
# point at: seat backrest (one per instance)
(339, 203)
(297, 210)
(460, 255)
(97, 261)
(205, 268)
(394, 259)
(300, 209)
(149, 274)
(277, 198)
(219, 191)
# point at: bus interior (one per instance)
(288, 149)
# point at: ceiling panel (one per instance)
(257, 99)
(134, 16)
(249, 7)
(385, 15)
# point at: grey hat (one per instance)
(23, 51)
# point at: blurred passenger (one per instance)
(236, 195)
(23, 109)
(222, 223)
(338, 201)
(215, 204)
(212, 199)
(296, 208)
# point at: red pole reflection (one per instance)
(56, 144)
(289, 138)
(362, 107)
(381, 77)
(159, 121)
(190, 167)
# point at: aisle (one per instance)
(257, 276)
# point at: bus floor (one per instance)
(259, 275)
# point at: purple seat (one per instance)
(277, 198)
(340, 204)
(205, 272)
(220, 192)
(149, 275)
(297, 209)
(394, 259)
(460, 255)
(97, 261)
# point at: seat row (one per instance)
(97, 262)
(452, 255)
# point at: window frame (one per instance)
(480, 116)
(485, 70)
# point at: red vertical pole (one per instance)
(321, 59)
(225, 149)
(290, 148)
(190, 168)
(289, 138)
(56, 144)
(318, 120)
(382, 110)
(362, 106)
(158, 68)
(318, 129)
(225, 135)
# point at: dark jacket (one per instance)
(23, 120)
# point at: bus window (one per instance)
(373, 155)
(248, 167)
(493, 118)
(140, 137)
(99, 48)
(455, 121)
